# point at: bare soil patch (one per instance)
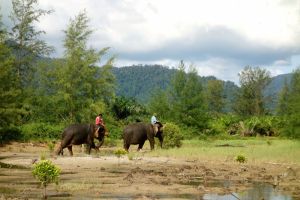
(104, 176)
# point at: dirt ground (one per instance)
(104, 176)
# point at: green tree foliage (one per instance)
(215, 97)
(26, 43)
(250, 98)
(172, 136)
(141, 81)
(9, 94)
(124, 107)
(78, 80)
(186, 98)
(283, 95)
(159, 104)
(183, 102)
(293, 110)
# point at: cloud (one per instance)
(205, 43)
(218, 37)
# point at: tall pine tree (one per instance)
(10, 110)
(293, 110)
(80, 82)
(250, 98)
(186, 98)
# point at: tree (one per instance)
(187, 102)
(159, 103)
(215, 96)
(9, 94)
(250, 98)
(79, 81)
(293, 110)
(26, 43)
(282, 105)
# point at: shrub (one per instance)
(9, 133)
(172, 136)
(240, 159)
(119, 152)
(46, 173)
(41, 131)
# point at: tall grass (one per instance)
(255, 150)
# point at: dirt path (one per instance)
(142, 177)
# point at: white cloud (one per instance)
(218, 37)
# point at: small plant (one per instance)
(51, 146)
(43, 156)
(119, 152)
(130, 156)
(269, 142)
(240, 159)
(46, 173)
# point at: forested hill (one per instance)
(140, 81)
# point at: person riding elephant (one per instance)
(77, 134)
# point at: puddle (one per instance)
(257, 191)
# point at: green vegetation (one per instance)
(119, 152)
(254, 149)
(172, 136)
(46, 173)
(240, 159)
(40, 96)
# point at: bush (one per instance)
(119, 152)
(240, 159)
(172, 136)
(222, 124)
(9, 133)
(41, 131)
(46, 173)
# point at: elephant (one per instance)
(77, 134)
(138, 133)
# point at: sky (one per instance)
(217, 37)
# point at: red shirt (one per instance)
(99, 120)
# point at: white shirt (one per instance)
(153, 120)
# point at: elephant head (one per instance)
(158, 132)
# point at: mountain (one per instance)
(274, 88)
(140, 81)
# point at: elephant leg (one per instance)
(141, 145)
(59, 151)
(126, 146)
(70, 150)
(151, 143)
(100, 143)
(89, 148)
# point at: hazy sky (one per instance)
(218, 37)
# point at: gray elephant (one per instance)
(138, 133)
(77, 134)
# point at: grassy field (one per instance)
(254, 149)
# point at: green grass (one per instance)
(254, 149)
